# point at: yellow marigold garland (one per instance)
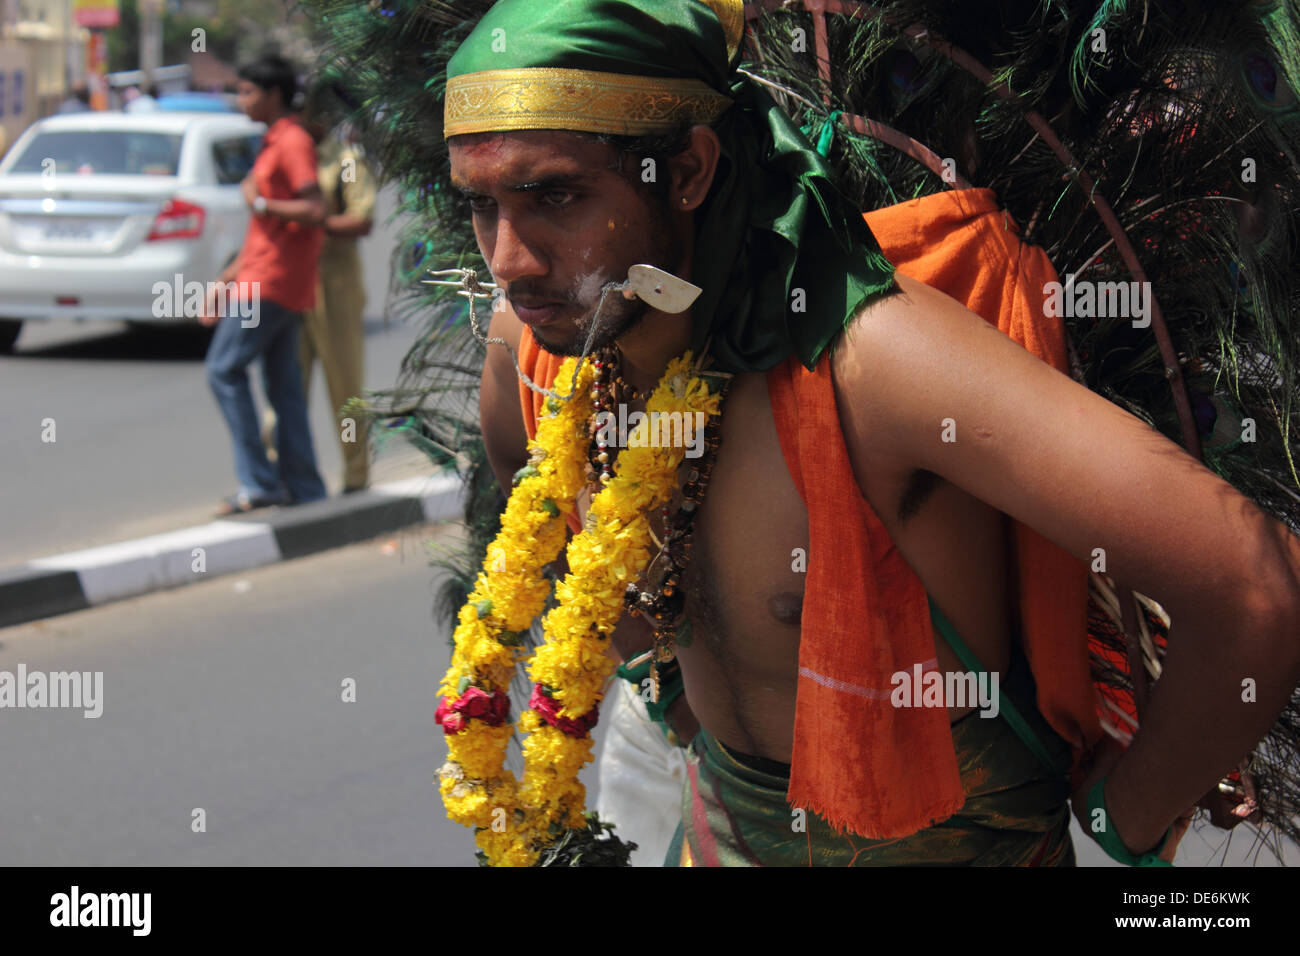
(516, 820)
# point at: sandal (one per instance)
(241, 503)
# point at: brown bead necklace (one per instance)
(660, 598)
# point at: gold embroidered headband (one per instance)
(583, 100)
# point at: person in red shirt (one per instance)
(274, 282)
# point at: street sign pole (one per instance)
(151, 38)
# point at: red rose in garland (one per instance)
(477, 704)
(549, 708)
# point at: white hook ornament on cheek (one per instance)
(663, 290)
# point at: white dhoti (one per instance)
(641, 778)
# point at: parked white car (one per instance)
(99, 210)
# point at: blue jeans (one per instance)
(233, 348)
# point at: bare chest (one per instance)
(746, 583)
(752, 539)
(746, 590)
(746, 586)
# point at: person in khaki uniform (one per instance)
(332, 331)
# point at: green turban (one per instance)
(783, 258)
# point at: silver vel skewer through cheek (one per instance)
(662, 290)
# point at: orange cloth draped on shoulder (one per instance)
(541, 367)
(863, 764)
(963, 244)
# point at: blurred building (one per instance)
(42, 57)
(201, 9)
(209, 73)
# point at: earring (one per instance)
(685, 200)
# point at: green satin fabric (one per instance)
(783, 258)
(664, 38)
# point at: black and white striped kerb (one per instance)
(82, 579)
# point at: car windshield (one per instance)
(104, 152)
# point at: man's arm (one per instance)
(308, 206)
(298, 163)
(358, 197)
(346, 226)
(1086, 474)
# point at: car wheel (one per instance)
(9, 329)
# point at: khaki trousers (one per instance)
(332, 332)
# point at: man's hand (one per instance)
(346, 227)
(1103, 758)
(249, 189)
(209, 317)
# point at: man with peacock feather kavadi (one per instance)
(899, 488)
